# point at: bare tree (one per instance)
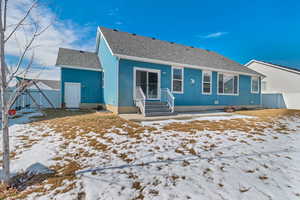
(8, 74)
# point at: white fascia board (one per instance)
(181, 65)
(83, 68)
(102, 35)
(250, 62)
(97, 40)
(272, 65)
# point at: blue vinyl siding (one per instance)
(192, 95)
(91, 89)
(126, 69)
(110, 68)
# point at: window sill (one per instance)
(224, 94)
(206, 93)
(177, 92)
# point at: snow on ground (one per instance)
(160, 163)
(210, 118)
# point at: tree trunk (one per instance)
(4, 109)
(5, 140)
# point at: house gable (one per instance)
(278, 79)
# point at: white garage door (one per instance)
(72, 95)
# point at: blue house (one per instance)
(129, 73)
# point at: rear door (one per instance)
(72, 94)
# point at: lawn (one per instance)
(250, 155)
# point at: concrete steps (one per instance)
(157, 108)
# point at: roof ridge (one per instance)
(79, 50)
(169, 42)
(284, 66)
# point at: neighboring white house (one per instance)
(281, 86)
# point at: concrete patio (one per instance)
(180, 115)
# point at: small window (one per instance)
(177, 80)
(254, 84)
(228, 84)
(206, 82)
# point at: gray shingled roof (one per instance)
(145, 47)
(77, 58)
(54, 84)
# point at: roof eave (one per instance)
(122, 56)
(78, 67)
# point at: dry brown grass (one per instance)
(64, 173)
(270, 113)
(75, 125)
(264, 119)
(78, 124)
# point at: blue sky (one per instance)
(239, 29)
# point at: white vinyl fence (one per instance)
(292, 100)
(281, 100)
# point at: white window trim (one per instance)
(210, 82)
(147, 70)
(252, 91)
(238, 84)
(182, 85)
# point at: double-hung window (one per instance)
(206, 82)
(177, 80)
(254, 84)
(228, 84)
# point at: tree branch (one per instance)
(21, 21)
(27, 48)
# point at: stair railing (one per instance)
(140, 99)
(167, 96)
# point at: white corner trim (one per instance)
(210, 83)
(117, 82)
(102, 35)
(82, 68)
(182, 85)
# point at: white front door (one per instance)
(72, 94)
